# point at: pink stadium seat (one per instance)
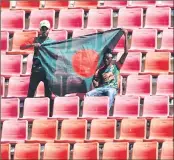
(130, 18)
(140, 85)
(93, 109)
(40, 92)
(142, 4)
(43, 131)
(10, 109)
(2, 90)
(100, 19)
(12, 20)
(86, 151)
(11, 65)
(5, 4)
(70, 19)
(145, 151)
(73, 130)
(166, 3)
(36, 17)
(167, 150)
(56, 151)
(5, 151)
(83, 32)
(29, 65)
(102, 130)
(58, 35)
(4, 43)
(158, 18)
(132, 130)
(113, 151)
(36, 108)
(155, 106)
(86, 5)
(27, 151)
(120, 45)
(14, 131)
(143, 40)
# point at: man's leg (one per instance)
(95, 92)
(111, 92)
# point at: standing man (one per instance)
(105, 79)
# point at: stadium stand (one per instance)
(58, 35)
(5, 5)
(4, 43)
(83, 32)
(167, 150)
(142, 4)
(29, 65)
(2, 86)
(5, 151)
(86, 5)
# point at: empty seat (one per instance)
(5, 4)
(29, 65)
(73, 130)
(167, 150)
(119, 150)
(58, 35)
(86, 151)
(166, 3)
(11, 65)
(5, 151)
(10, 109)
(100, 19)
(145, 151)
(12, 20)
(130, 18)
(2, 90)
(120, 45)
(143, 40)
(27, 151)
(86, 5)
(4, 43)
(142, 4)
(70, 19)
(14, 131)
(83, 32)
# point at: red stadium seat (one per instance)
(4, 42)
(58, 35)
(140, 85)
(143, 40)
(2, 90)
(27, 151)
(86, 151)
(40, 92)
(5, 151)
(70, 19)
(142, 4)
(43, 131)
(102, 130)
(56, 151)
(83, 32)
(120, 45)
(113, 151)
(72, 131)
(86, 5)
(158, 18)
(10, 109)
(29, 65)
(14, 131)
(12, 20)
(167, 150)
(145, 151)
(132, 130)
(5, 4)
(166, 3)
(93, 109)
(156, 106)
(100, 19)
(11, 65)
(130, 18)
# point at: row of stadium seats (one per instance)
(110, 150)
(101, 19)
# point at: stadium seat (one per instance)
(132, 130)
(86, 5)
(36, 108)
(36, 17)
(12, 21)
(29, 65)
(145, 151)
(155, 106)
(86, 151)
(56, 151)
(5, 4)
(158, 18)
(120, 45)
(18, 87)
(2, 90)
(161, 129)
(166, 3)
(102, 130)
(142, 4)
(70, 19)
(40, 92)
(58, 35)
(10, 109)
(93, 109)
(5, 151)
(11, 65)
(4, 42)
(73, 130)
(83, 32)
(27, 151)
(167, 150)
(143, 40)
(100, 19)
(113, 151)
(165, 85)
(21, 39)
(14, 131)
(140, 85)
(43, 131)
(130, 18)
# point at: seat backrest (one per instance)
(40, 92)
(4, 43)
(29, 63)
(2, 89)
(166, 3)
(28, 5)
(59, 35)
(142, 4)
(57, 5)
(83, 32)
(5, 151)
(167, 150)
(86, 4)
(117, 4)
(4, 4)
(167, 39)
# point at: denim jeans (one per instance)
(104, 91)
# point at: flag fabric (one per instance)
(71, 64)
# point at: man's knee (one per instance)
(112, 92)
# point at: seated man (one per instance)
(105, 79)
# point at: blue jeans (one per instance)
(104, 91)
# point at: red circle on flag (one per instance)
(85, 62)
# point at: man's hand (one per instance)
(36, 45)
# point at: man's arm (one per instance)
(34, 44)
(96, 79)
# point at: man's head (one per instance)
(107, 59)
(44, 28)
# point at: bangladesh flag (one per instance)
(71, 64)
